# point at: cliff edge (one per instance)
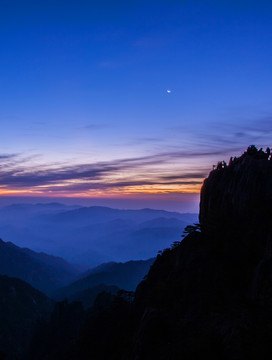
(211, 295)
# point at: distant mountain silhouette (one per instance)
(94, 214)
(209, 296)
(44, 272)
(91, 235)
(21, 308)
(25, 211)
(121, 275)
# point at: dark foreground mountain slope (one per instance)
(123, 275)
(89, 296)
(44, 272)
(21, 308)
(209, 296)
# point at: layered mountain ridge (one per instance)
(122, 275)
(81, 234)
(45, 272)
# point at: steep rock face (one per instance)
(212, 294)
(236, 214)
(237, 198)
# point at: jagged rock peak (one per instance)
(237, 197)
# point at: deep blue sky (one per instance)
(84, 103)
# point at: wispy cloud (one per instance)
(228, 136)
(179, 168)
(146, 171)
(7, 156)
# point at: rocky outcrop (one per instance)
(236, 199)
(212, 294)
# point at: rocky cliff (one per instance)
(212, 294)
(236, 198)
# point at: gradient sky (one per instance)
(84, 107)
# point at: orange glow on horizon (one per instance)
(19, 192)
(105, 193)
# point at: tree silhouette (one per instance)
(191, 228)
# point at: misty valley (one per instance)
(89, 236)
(58, 254)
